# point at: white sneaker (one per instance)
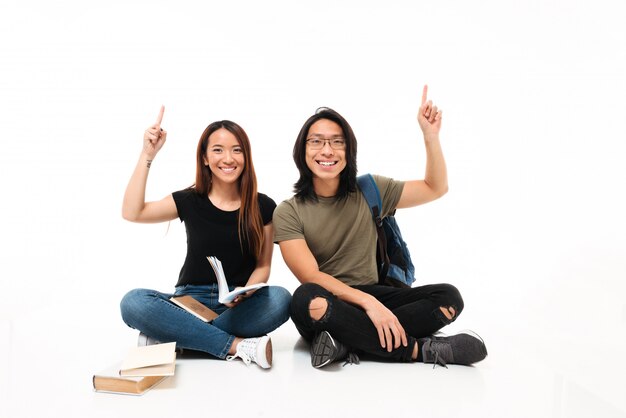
(257, 349)
(144, 340)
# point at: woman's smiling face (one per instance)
(224, 156)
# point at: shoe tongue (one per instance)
(249, 350)
(352, 358)
(433, 349)
(245, 357)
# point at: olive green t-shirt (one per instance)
(340, 233)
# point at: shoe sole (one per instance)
(264, 355)
(268, 353)
(323, 350)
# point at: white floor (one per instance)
(49, 367)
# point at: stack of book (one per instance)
(142, 369)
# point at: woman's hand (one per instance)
(390, 332)
(154, 137)
(429, 116)
(240, 298)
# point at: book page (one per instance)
(126, 387)
(225, 296)
(110, 381)
(114, 372)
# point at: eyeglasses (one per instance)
(318, 143)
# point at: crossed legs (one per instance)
(421, 311)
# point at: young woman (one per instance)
(224, 217)
(328, 239)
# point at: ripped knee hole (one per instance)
(449, 312)
(317, 308)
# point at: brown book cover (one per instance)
(194, 307)
(110, 381)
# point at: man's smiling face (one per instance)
(327, 162)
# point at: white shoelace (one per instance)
(246, 350)
(243, 356)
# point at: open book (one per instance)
(224, 295)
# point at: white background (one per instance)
(532, 230)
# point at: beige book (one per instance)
(194, 307)
(109, 380)
(151, 360)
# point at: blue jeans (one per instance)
(152, 313)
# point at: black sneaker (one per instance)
(463, 348)
(325, 350)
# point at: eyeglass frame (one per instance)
(329, 140)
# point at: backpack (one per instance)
(395, 267)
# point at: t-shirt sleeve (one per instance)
(182, 198)
(287, 224)
(266, 206)
(390, 193)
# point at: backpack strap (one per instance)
(370, 191)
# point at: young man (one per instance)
(328, 239)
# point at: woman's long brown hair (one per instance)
(250, 223)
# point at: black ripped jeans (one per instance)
(417, 309)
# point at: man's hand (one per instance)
(429, 116)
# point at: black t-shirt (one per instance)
(212, 231)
